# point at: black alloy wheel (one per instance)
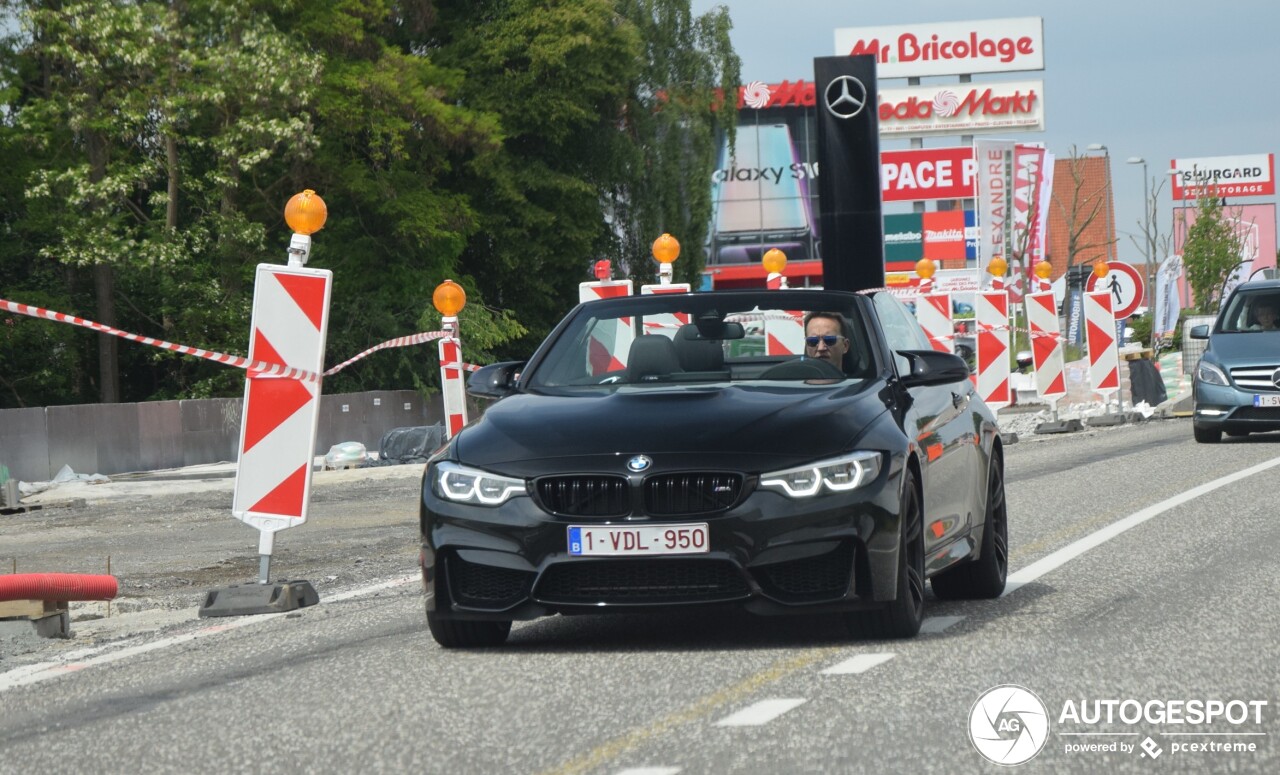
(463, 634)
(983, 578)
(902, 617)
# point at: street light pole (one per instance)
(1149, 246)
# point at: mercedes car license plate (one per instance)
(1270, 400)
(638, 541)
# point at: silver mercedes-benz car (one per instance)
(1237, 383)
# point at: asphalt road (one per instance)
(1144, 584)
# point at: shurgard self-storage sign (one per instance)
(1223, 176)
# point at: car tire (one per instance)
(983, 578)
(462, 634)
(1206, 435)
(902, 617)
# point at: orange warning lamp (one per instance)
(666, 249)
(305, 213)
(1100, 269)
(449, 298)
(998, 267)
(926, 268)
(1043, 269)
(774, 261)
(603, 269)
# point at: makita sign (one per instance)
(1221, 176)
(961, 109)
(948, 48)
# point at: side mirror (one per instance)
(933, 367)
(1200, 332)
(495, 380)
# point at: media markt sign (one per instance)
(957, 109)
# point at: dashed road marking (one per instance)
(936, 624)
(760, 713)
(859, 664)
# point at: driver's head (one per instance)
(825, 337)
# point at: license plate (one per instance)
(1266, 400)
(638, 541)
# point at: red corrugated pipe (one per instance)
(57, 586)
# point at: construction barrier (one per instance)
(452, 384)
(933, 312)
(1100, 335)
(1046, 346)
(992, 334)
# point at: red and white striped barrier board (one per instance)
(452, 383)
(670, 322)
(260, 367)
(1100, 336)
(1046, 346)
(784, 335)
(933, 313)
(992, 321)
(610, 343)
(278, 429)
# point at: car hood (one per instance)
(1250, 348)
(741, 427)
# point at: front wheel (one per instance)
(1206, 435)
(902, 617)
(463, 634)
(983, 578)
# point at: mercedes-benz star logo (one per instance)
(845, 96)
(639, 463)
(1009, 724)
(1275, 378)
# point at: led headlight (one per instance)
(841, 474)
(1210, 374)
(469, 485)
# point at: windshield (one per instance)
(804, 337)
(1251, 311)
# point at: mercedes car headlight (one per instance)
(841, 474)
(1210, 374)
(469, 485)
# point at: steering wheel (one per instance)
(806, 368)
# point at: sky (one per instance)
(1156, 80)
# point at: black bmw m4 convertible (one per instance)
(709, 449)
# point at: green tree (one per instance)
(1210, 254)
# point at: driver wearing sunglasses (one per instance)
(824, 338)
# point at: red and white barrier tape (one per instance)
(403, 341)
(261, 367)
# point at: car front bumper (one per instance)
(769, 554)
(1232, 410)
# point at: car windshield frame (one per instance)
(1238, 315)
(715, 337)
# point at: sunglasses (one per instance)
(829, 340)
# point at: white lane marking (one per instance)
(859, 664)
(936, 624)
(81, 659)
(1071, 551)
(650, 771)
(762, 712)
